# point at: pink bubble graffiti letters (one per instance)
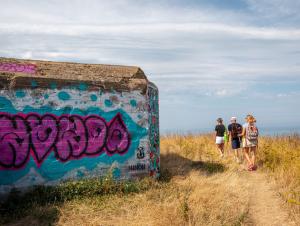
(68, 136)
(18, 68)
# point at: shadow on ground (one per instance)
(175, 165)
(32, 208)
(41, 204)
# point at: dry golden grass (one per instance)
(198, 188)
(281, 157)
(195, 192)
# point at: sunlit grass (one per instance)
(280, 155)
(196, 188)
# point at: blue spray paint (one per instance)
(52, 169)
(82, 87)
(64, 96)
(108, 103)
(34, 84)
(20, 94)
(133, 103)
(53, 85)
(93, 97)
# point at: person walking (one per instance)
(219, 136)
(235, 129)
(250, 141)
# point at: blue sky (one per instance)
(209, 58)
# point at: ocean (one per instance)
(265, 131)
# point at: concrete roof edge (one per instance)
(122, 78)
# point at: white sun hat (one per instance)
(233, 118)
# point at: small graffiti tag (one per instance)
(140, 153)
(21, 68)
(137, 167)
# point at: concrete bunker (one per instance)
(62, 121)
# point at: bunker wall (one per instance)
(51, 131)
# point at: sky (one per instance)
(209, 58)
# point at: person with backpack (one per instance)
(250, 141)
(235, 129)
(220, 130)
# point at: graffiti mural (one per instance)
(52, 130)
(21, 68)
(69, 136)
(50, 135)
(154, 157)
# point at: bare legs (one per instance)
(221, 149)
(246, 153)
(250, 158)
(253, 150)
(236, 155)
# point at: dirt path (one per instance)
(265, 205)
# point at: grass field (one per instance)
(196, 188)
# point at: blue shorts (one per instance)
(235, 143)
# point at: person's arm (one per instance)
(229, 132)
(243, 132)
(257, 139)
(215, 132)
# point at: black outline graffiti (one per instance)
(14, 126)
(50, 135)
(137, 167)
(116, 120)
(140, 153)
(31, 128)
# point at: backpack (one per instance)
(251, 133)
(236, 129)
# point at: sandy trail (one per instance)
(265, 205)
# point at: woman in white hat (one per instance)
(235, 129)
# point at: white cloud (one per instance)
(27, 55)
(154, 29)
(191, 53)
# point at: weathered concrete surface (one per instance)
(121, 78)
(62, 121)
